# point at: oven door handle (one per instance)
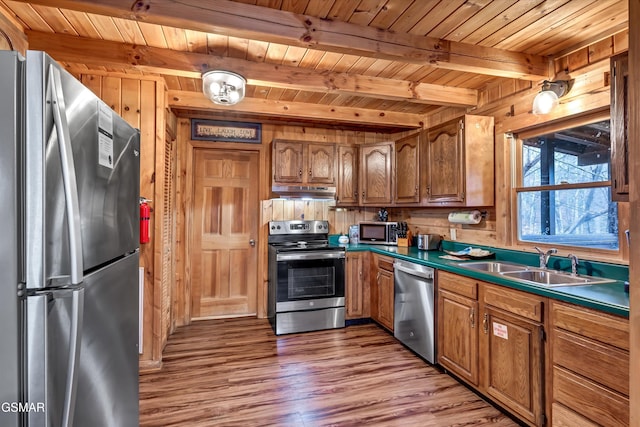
(310, 256)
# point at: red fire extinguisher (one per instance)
(145, 215)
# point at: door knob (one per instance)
(252, 242)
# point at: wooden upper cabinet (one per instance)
(619, 128)
(407, 169)
(288, 162)
(320, 163)
(347, 164)
(301, 162)
(375, 174)
(458, 163)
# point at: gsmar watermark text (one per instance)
(22, 407)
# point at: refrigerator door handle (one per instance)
(68, 175)
(71, 388)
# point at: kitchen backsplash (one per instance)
(432, 221)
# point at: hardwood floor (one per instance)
(238, 373)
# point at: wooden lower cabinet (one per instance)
(512, 361)
(382, 292)
(458, 312)
(589, 367)
(357, 289)
(492, 338)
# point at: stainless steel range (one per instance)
(306, 278)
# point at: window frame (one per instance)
(517, 186)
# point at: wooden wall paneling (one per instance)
(620, 42)
(601, 50)
(147, 189)
(183, 193)
(162, 287)
(112, 93)
(634, 198)
(141, 102)
(93, 82)
(185, 152)
(503, 202)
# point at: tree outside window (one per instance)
(564, 193)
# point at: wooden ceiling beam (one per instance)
(66, 48)
(187, 100)
(271, 25)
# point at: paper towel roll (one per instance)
(473, 217)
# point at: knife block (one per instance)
(405, 241)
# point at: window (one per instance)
(563, 193)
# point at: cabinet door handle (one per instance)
(378, 278)
(472, 317)
(485, 323)
(416, 193)
(300, 172)
(309, 171)
(363, 194)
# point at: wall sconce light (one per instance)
(223, 87)
(547, 99)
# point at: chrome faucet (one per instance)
(544, 256)
(574, 264)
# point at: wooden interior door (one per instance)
(223, 233)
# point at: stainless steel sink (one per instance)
(553, 278)
(493, 266)
(526, 274)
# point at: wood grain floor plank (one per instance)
(236, 372)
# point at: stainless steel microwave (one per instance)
(378, 232)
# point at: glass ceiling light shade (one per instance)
(547, 99)
(223, 87)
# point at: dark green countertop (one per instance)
(607, 297)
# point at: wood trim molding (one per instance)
(270, 25)
(67, 48)
(634, 201)
(331, 113)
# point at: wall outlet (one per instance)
(452, 234)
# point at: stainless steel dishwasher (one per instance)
(413, 314)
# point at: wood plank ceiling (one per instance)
(371, 63)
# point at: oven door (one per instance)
(309, 280)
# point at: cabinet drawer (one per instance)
(385, 263)
(597, 403)
(525, 305)
(602, 363)
(599, 326)
(460, 285)
(564, 417)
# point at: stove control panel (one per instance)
(299, 227)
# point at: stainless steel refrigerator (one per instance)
(69, 232)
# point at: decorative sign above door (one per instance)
(222, 131)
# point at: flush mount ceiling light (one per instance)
(548, 97)
(223, 87)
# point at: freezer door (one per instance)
(104, 158)
(106, 386)
(53, 330)
(108, 370)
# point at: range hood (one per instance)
(303, 192)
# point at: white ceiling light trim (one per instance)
(223, 87)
